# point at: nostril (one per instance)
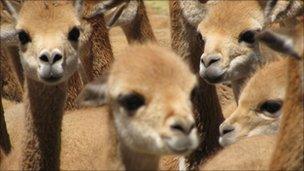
(177, 127)
(213, 61)
(207, 61)
(203, 62)
(57, 57)
(227, 130)
(44, 58)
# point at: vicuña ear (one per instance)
(7, 31)
(113, 16)
(278, 43)
(94, 93)
(278, 10)
(12, 7)
(104, 6)
(78, 7)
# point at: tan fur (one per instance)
(267, 84)
(226, 98)
(208, 112)
(237, 60)
(288, 154)
(139, 28)
(229, 109)
(44, 100)
(12, 87)
(253, 153)
(289, 149)
(153, 71)
(5, 144)
(96, 54)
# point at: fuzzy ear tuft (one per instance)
(78, 6)
(279, 10)
(278, 43)
(114, 15)
(94, 94)
(104, 6)
(7, 31)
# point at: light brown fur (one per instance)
(45, 99)
(237, 60)
(288, 154)
(12, 87)
(268, 83)
(139, 28)
(87, 133)
(208, 112)
(253, 153)
(97, 56)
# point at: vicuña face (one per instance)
(49, 34)
(150, 94)
(230, 49)
(260, 106)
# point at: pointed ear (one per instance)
(103, 7)
(278, 10)
(94, 94)
(112, 16)
(278, 43)
(12, 7)
(7, 31)
(78, 7)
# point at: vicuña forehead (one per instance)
(232, 16)
(47, 15)
(268, 83)
(150, 67)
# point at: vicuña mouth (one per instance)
(51, 79)
(178, 145)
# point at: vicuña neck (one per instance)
(138, 161)
(44, 107)
(237, 86)
(139, 30)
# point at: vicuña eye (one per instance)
(24, 37)
(247, 36)
(74, 34)
(203, 1)
(271, 107)
(131, 102)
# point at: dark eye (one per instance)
(247, 37)
(203, 1)
(271, 106)
(24, 37)
(131, 102)
(74, 34)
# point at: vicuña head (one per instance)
(148, 91)
(228, 32)
(260, 105)
(50, 34)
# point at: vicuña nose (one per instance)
(183, 127)
(50, 58)
(209, 60)
(225, 129)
